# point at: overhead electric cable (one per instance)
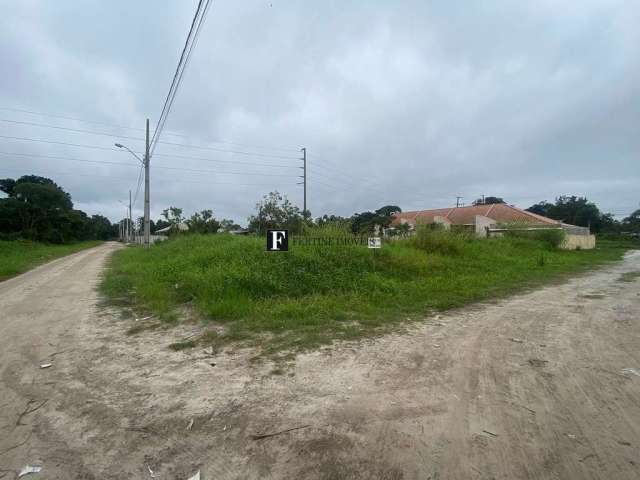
(162, 167)
(237, 152)
(175, 134)
(196, 24)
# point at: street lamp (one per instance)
(145, 164)
(119, 145)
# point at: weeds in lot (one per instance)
(182, 345)
(18, 256)
(313, 295)
(553, 238)
(439, 240)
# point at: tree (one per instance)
(101, 228)
(541, 208)
(608, 224)
(488, 201)
(333, 220)
(575, 211)
(388, 210)
(632, 222)
(36, 208)
(7, 185)
(228, 225)
(173, 215)
(365, 222)
(203, 222)
(153, 226)
(275, 211)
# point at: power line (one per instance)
(30, 112)
(55, 157)
(190, 42)
(53, 142)
(76, 130)
(375, 182)
(235, 162)
(215, 149)
(175, 134)
(163, 167)
(139, 184)
(238, 152)
(127, 178)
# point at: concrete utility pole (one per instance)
(147, 228)
(126, 226)
(131, 231)
(304, 178)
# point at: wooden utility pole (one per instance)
(147, 229)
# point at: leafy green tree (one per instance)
(608, 224)
(488, 201)
(275, 211)
(632, 222)
(388, 211)
(541, 208)
(173, 215)
(101, 228)
(228, 225)
(365, 222)
(574, 210)
(336, 220)
(7, 185)
(203, 222)
(38, 209)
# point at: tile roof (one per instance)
(500, 212)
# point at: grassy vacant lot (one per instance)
(18, 256)
(312, 295)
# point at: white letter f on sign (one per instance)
(276, 239)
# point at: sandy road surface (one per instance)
(530, 387)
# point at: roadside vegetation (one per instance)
(38, 209)
(313, 295)
(18, 256)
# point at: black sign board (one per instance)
(277, 240)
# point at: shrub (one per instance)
(333, 229)
(438, 240)
(551, 237)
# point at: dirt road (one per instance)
(533, 386)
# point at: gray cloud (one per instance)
(410, 103)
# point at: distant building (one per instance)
(173, 228)
(488, 219)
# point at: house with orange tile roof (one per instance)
(484, 219)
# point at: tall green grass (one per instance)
(18, 256)
(311, 295)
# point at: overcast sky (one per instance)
(410, 103)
